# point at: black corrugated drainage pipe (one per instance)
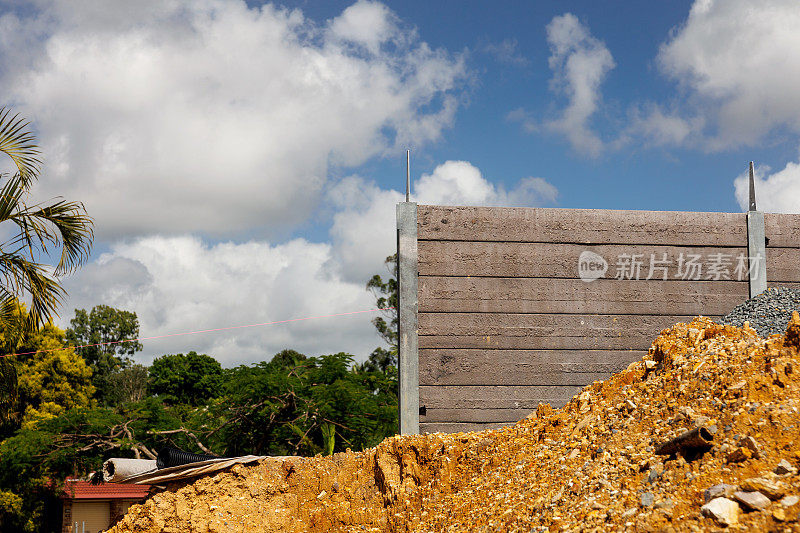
(168, 457)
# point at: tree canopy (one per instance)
(186, 379)
(111, 335)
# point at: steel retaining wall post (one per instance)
(756, 243)
(408, 354)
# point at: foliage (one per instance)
(36, 460)
(186, 379)
(54, 380)
(386, 297)
(111, 335)
(38, 230)
(291, 405)
(128, 385)
(51, 378)
(320, 404)
(34, 231)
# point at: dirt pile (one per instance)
(598, 464)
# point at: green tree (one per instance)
(386, 297)
(111, 335)
(51, 377)
(186, 379)
(316, 405)
(128, 385)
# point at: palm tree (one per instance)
(39, 233)
(40, 229)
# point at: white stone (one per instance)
(788, 501)
(723, 510)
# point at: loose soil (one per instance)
(591, 466)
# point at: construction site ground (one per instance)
(592, 466)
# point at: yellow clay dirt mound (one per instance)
(591, 466)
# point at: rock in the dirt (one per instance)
(789, 501)
(739, 455)
(666, 503)
(749, 443)
(785, 467)
(773, 489)
(755, 501)
(719, 490)
(647, 499)
(723, 510)
(788, 510)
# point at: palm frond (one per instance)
(41, 228)
(10, 196)
(17, 141)
(62, 224)
(28, 277)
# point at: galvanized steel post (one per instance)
(756, 243)
(408, 356)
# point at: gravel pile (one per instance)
(701, 434)
(768, 313)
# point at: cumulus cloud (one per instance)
(775, 193)
(212, 116)
(181, 283)
(653, 125)
(739, 61)
(363, 230)
(178, 284)
(461, 183)
(580, 63)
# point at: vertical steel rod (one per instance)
(408, 175)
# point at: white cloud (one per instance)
(775, 193)
(367, 24)
(580, 63)
(209, 116)
(653, 125)
(179, 284)
(739, 61)
(461, 183)
(507, 51)
(363, 230)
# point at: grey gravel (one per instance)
(647, 499)
(768, 313)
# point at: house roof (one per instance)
(77, 489)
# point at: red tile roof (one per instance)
(83, 490)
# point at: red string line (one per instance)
(203, 331)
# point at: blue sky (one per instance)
(242, 160)
(633, 178)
